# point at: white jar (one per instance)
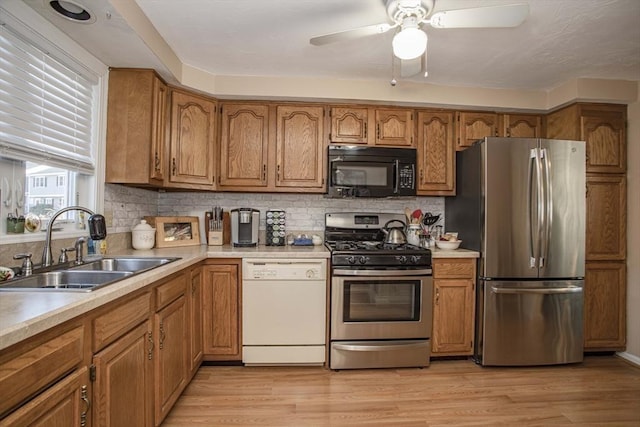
(143, 236)
(413, 234)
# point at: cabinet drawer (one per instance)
(450, 268)
(170, 290)
(24, 375)
(117, 321)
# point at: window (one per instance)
(49, 118)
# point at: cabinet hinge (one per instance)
(92, 373)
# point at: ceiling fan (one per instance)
(408, 17)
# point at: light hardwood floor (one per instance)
(603, 390)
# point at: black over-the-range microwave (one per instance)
(371, 172)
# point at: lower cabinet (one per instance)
(124, 380)
(605, 306)
(65, 404)
(453, 306)
(221, 296)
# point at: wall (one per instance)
(633, 232)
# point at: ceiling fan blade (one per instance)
(356, 33)
(505, 16)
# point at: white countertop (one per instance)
(25, 314)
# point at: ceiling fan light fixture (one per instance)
(409, 43)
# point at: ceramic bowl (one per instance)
(448, 245)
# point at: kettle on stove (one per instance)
(394, 235)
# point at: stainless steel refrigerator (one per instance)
(521, 203)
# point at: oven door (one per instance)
(381, 304)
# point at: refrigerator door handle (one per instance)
(548, 207)
(562, 290)
(534, 194)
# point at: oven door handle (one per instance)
(395, 273)
(380, 347)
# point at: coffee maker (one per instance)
(244, 226)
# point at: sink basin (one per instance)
(86, 277)
(65, 280)
(135, 265)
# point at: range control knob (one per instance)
(402, 259)
(363, 259)
(351, 259)
(414, 259)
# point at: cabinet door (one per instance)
(195, 314)
(605, 306)
(436, 160)
(300, 147)
(243, 145)
(349, 125)
(606, 217)
(453, 317)
(67, 403)
(124, 380)
(394, 127)
(473, 126)
(606, 141)
(136, 120)
(171, 363)
(521, 126)
(192, 140)
(221, 323)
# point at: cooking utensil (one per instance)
(407, 213)
(430, 219)
(395, 235)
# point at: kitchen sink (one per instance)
(135, 265)
(65, 279)
(93, 274)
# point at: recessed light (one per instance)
(72, 11)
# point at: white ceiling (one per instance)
(560, 40)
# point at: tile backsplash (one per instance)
(125, 206)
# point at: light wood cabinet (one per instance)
(350, 125)
(474, 125)
(521, 126)
(606, 233)
(195, 321)
(453, 307)
(602, 126)
(300, 148)
(171, 363)
(136, 122)
(605, 306)
(436, 153)
(244, 145)
(394, 127)
(221, 298)
(192, 141)
(67, 403)
(124, 380)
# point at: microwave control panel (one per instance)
(406, 177)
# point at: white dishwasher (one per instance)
(284, 311)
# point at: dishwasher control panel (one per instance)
(276, 269)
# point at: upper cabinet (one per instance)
(136, 121)
(350, 125)
(521, 126)
(300, 148)
(475, 125)
(602, 126)
(394, 127)
(244, 144)
(192, 142)
(436, 153)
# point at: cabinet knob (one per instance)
(173, 167)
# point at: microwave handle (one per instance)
(396, 165)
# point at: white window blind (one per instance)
(46, 106)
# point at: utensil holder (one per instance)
(221, 236)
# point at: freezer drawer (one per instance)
(524, 323)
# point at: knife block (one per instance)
(218, 237)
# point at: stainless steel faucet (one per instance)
(97, 230)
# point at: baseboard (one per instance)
(630, 357)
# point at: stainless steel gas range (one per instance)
(381, 295)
